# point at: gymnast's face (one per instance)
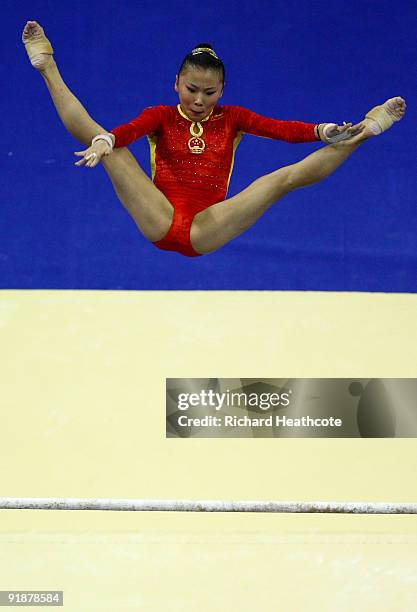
(198, 91)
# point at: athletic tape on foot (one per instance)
(36, 47)
(381, 116)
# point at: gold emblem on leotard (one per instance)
(196, 144)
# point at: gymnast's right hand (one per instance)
(92, 156)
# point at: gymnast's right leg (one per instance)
(149, 208)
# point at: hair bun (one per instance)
(205, 48)
(203, 56)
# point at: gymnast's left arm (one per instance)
(291, 131)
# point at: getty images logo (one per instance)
(218, 400)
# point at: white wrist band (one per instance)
(106, 138)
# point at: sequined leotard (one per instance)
(190, 181)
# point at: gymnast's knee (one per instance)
(290, 178)
(294, 177)
(121, 154)
(276, 184)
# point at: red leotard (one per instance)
(193, 182)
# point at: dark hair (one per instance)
(203, 60)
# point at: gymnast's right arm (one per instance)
(149, 121)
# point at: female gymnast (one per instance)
(192, 149)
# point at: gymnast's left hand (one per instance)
(343, 132)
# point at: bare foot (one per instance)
(35, 40)
(382, 117)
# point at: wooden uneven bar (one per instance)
(146, 505)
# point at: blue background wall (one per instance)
(62, 226)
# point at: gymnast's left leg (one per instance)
(220, 223)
